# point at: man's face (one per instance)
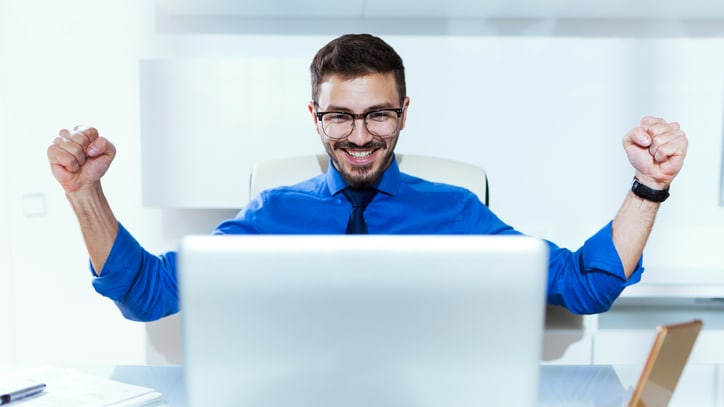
(361, 157)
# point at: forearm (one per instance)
(656, 149)
(631, 228)
(97, 222)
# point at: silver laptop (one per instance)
(362, 320)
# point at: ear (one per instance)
(310, 107)
(405, 105)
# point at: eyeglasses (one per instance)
(380, 122)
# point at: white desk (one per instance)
(701, 385)
(611, 385)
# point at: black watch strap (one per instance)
(649, 194)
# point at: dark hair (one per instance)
(355, 55)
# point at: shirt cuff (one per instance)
(121, 266)
(600, 253)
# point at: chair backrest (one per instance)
(289, 171)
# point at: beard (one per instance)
(364, 176)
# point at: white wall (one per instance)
(65, 63)
(546, 119)
(551, 126)
(6, 311)
(544, 115)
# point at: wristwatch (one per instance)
(649, 194)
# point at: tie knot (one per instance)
(360, 198)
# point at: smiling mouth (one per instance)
(359, 155)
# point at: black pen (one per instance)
(9, 397)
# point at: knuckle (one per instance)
(68, 162)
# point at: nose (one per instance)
(360, 135)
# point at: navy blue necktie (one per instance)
(359, 198)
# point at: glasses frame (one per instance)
(360, 116)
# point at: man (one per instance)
(359, 106)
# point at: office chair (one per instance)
(289, 171)
(562, 327)
(567, 328)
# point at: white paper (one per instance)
(69, 387)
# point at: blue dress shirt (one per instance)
(585, 281)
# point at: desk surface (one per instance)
(561, 385)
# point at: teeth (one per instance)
(359, 154)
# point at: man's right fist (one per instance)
(79, 158)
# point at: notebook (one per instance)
(65, 387)
(666, 361)
(362, 320)
(601, 385)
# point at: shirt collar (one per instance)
(389, 184)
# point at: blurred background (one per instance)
(193, 92)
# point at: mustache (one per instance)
(346, 144)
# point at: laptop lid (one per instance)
(362, 320)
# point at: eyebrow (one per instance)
(368, 109)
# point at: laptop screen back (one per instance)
(362, 320)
